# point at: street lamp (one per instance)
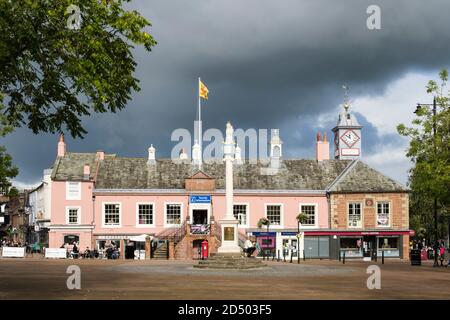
(436, 245)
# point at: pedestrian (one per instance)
(441, 254)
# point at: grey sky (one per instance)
(268, 64)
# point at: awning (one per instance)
(140, 238)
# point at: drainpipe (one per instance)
(92, 222)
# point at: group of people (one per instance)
(250, 247)
(437, 249)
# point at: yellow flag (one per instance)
(203, 91)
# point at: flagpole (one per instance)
(200, 123)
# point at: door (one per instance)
(199, 217)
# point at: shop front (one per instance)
(362, 244)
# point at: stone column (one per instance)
(229, 223)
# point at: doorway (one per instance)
(369, 246)
(199, 217)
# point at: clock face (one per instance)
(350, 138)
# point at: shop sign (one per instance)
(289, 233)
(113, 237)
(264, 234)
(200, 199)
(13, 252)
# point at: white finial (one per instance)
(151, 155)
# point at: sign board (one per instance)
(200, 199)
(229, 233)
(13, 252)
(264, 234)
(2, 220)
(56, 253)
(349, 152)
(288, 233)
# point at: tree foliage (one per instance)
(430, 153)
(51, 76)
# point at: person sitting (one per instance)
(87, 253)
(249, 248)
(75, 251)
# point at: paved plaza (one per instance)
(314, 279)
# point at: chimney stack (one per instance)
(322, 148)
(61, 147)
(100, 155)
(86, 171)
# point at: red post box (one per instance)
(205, 249)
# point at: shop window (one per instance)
(73, 190)
(383, 214)
(70, 239)
(354, 215)
(145, 214)
(273, 214)
(173, 213)
(240, 213)
(310, 211)
(351, 243)
(388, 243)
(111, 214)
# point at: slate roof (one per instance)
(300, 174)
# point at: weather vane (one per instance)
(346, 99)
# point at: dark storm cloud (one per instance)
(267, 64)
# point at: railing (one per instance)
(241, 239)
(173, 234)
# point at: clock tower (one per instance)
(347, 135)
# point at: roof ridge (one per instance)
(343, 174)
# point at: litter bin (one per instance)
(415, 257)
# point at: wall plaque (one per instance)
(229, 233)
(369, 202)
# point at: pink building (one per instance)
(99, 198)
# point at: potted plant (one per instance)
(263, 222)
(302, 218)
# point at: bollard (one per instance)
(273, 255)
(340, 253)
(304, 255)
(343, 258)
(278, 255)
(284, 255)
(298, 256)
(382, 257)
(291, 256)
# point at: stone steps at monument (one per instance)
(230, 261)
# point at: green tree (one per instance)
(430, 153)
(52, 74)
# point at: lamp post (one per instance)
(436, 246)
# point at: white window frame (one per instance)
(247, 213)
(362, 215)
(316, 215)
(120, 215)
(68, 196)
(138, 225)
(167, 225)
(390, 213)
(273, 226)
(78, 208)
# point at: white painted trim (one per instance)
(103, 214)
(78, 215)
(67, 190)
(316, 214)
(390, 214)
(153, 215)
(362, 214)
(166, 225)
(70, 227)
(247, 214)
(271, 226)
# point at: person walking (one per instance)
(442, 254)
